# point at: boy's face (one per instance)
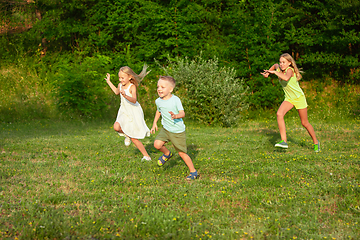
(164, 89)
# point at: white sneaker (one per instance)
(145, 158)
(127, 141)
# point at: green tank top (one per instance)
(291, 88)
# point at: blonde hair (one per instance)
(169, 79)
(135, 78)
(293, 65)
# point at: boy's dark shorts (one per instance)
(177, 139)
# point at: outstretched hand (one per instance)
(266, 73)
(107, 77)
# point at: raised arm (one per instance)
(266, 73)
(116, 90)
(133, 93)
(284, 76)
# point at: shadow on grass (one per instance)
(273, 136)
(46, 128)
(176, 159)
(191, 151)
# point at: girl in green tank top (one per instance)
(289, 75)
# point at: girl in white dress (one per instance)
(130, 121)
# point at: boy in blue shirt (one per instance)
(170, 109)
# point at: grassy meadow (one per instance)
(77, 180)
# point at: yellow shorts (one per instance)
(299, 103)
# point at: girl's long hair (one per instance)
(293, 65)
(135, 78)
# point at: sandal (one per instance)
(162, 161)
(192, 176)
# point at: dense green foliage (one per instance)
(211, 94)
(78, 87)
(322, 36)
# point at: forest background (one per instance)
(55, 54)
(65, 174)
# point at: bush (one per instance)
(80, 86)
(210, 94)
(266, 92)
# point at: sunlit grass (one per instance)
(76, 179)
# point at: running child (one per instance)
(170, 108)
(130, 121)
(289, 75)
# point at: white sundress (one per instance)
(131, 118)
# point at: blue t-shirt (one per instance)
(174, 105)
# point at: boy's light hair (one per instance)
(293, 65)
(135, 78)
(169, 79)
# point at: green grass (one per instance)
(65, 180)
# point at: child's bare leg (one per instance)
(283, 109)
(160, 145)
(117, 127)
(140, 146)
(187, 161)
(306, 124)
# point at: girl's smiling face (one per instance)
(124, 78)
(284, 63)
(164, 89)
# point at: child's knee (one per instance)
(280, 114)
(117, 127)
(305, 124)
(158, 144)
(184, 156)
